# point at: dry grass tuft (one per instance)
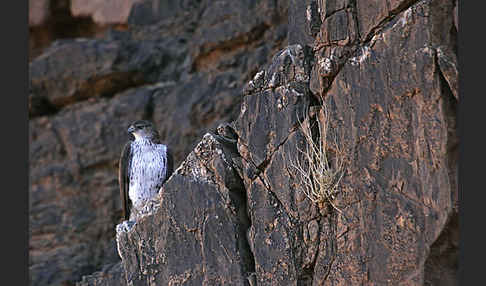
(319, 180)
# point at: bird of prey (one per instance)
(144, 165)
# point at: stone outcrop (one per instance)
(207, 233)
(284, 225)
(395, 112)
(85, 91)
(109, 275)
(234, 211)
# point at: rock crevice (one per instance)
(234, 211)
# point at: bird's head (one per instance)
(143, 129)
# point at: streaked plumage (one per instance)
(145, 164)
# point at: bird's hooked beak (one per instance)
(131, 129)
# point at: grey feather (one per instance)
(124, 179)
(145, 164)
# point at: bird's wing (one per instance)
(124, 179)
(170, 163)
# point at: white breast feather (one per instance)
(148, 171)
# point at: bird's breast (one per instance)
(148, 170)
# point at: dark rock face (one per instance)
(267, 129)
(234, 211)
(50, 20)
(85, 92)
(396, 116)
(109, 275)
(200, 218)
(71, 71)
(71, 228)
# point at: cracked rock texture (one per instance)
(395, 113)
(200, 242)
(229, 84)
(85, 91)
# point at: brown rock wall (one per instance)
(234, 211)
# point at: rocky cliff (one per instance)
(230, 85)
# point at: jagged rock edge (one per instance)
(359, 49)
(154, 204)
